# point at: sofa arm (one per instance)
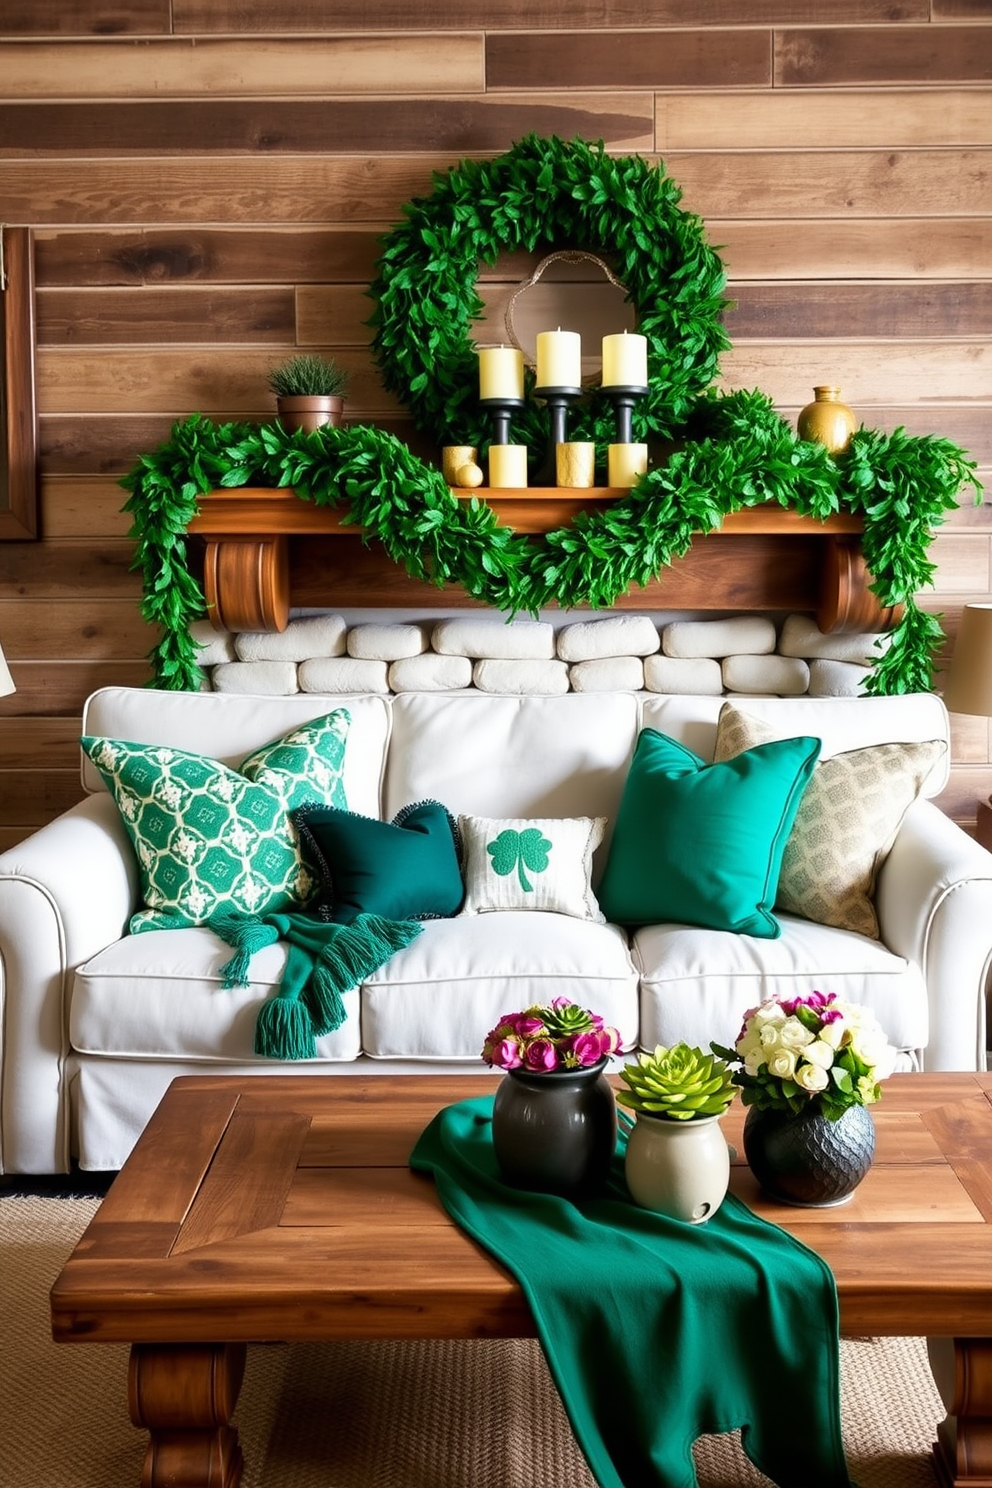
(65, 893)
(934, 902)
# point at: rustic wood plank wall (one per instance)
(207, 178)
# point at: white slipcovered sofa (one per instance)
(96, 1022)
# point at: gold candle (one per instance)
(507, 465)
(626, 462)
(576, 464)
(453, 457)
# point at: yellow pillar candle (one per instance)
(501, 372)
(508, 465)
(625, 360)
(559, 359)
(625, 463)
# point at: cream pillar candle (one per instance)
(559, 359)
(625, 360)
(508, 465)
(501, 372)
(626, 462)
(575, 463)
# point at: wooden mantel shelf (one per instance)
(266, 550)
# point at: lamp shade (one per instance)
(969, 681)
(6, 680)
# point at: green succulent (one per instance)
(564, 1019)
(309, 376)
(678, 1084)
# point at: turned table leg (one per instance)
(184, 1395)
(962, 1369)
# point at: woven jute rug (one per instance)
(480, 1414)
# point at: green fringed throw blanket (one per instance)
(656, 1331)
(323, 961)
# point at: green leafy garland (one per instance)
(735, 451)
(743, 451)
(546, 193)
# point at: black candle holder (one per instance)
(623, 397)
(501, 411)
(557, 399)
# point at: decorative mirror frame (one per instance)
(18, 403)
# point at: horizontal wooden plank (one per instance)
(231, 67)
(39, 744)
(632, 59)
(333, 315)
(970, 739)
(31, 797)
(839, 119)
(868, 372)
(198, 314)
(834, 183)
(214, 381)
(915, 248)
(830, 309)
(205, 16)
(967, 786)
(83, 506)
(959, 10)
(883, 55)
(67, 570)
(204, 255)
(111, 444)
(12, 836)
(962, 563)
(76, 630)
(100, 18)
(212, 126)
(58, 689)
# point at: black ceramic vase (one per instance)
(555, 1132)
(808, 1160)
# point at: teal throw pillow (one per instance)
(702, 844)
(209, 838)
(406, 869)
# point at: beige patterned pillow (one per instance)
(846, 822)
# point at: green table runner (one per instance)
(655, 1331)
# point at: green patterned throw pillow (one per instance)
(209, 838)
(519, 863)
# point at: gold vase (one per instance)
(827, 421)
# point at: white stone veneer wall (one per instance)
(745, 654)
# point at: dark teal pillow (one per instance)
(406, 869)
(702, 844)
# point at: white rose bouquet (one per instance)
(796, 1051)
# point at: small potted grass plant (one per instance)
(309, 391)
(677, 1161)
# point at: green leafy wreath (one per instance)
(735, 450)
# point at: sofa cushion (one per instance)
(703, 843)
(846, 822)
(438, 998)
(520, 863)
(162, 996)
(209, 839)
(697, 984)
(406, 869)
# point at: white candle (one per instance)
(507, 465)
(625, 463)
(501, 372)
(625, 361)
(559, 359)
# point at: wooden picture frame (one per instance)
(18, 401)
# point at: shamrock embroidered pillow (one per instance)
(542, 863)
(209, 838)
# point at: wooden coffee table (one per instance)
(282, 1208)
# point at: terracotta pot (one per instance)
(310, 413)
(555, 1132)
(678, 1168)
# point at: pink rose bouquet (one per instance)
(562, 1036)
